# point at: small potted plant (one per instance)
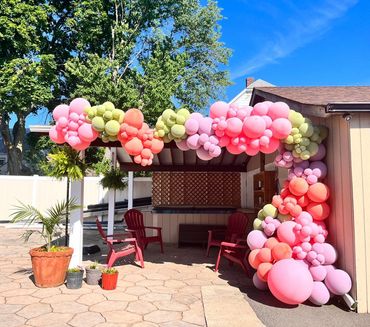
(93, 274)
(109, 278)
(49, 262)
(74, 277)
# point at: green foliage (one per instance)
(110, 271)
(74, 270)
(113, 179)
(51, 221)
(64, 162)
(94, 265)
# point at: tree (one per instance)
(152, 54)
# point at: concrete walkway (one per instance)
(168, 292)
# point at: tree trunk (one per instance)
(13, 142)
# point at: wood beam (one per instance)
(228, 168)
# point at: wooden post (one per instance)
(112, 196)
(130, 190)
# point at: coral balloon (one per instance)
(319, 211)
(263, 270)
(281, 251)
(157, 145)
(298, 186)
(134, 117)
(134, 146)
(264, 255)
(290, 281)
(253, 258)
(318, 192)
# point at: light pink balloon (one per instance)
(254, 126)
(244, 112)
(74, 116)
(73, 141)
(57, 136)
(329, 253)
(320, 294)
(290, 281)
(205, 126)
(219, 109)
(182, 145)
(215, 152)
(87, 133)
(281, 128)
(62, 122)
(191, 126)
(278, 110)
(72, 126)
(268, 121)
(78, 105)
(286, 233)
(193, 142)
(256, 239)
(318, 273)
(260, 109)
(258, 283)
(203, 154)
(338, 282)
(234, 127)
(59, 111)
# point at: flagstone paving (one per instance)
(167, 292)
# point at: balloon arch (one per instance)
(288, 244)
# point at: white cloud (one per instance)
(307, 25)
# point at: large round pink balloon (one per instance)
(254, 126)
(338, 282)
(261, 108)
(330, 253)
(57, 136)
(234, 127)
(205, 126)
(318, 273)
(219, 109)
(203, 154)
(286, 233)
(61, 110)
(281, 128)
(191, 126)
(320, 294)
(87, 133)
(278, 110)
(182, 145)
(290, 281)
(271, 147)
(78, 105)
(256, 239)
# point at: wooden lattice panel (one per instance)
(196, 189)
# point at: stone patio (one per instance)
(167, 292)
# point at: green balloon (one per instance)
(306, 129)
(98, 123)
(116, 114)
(108, 105)
(100, 110)
(295, 118)
(261, 215)
(270, 210)
(112, 127)
(177, 131)
(257, 224)
(108, 116)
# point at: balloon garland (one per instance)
(288, 244)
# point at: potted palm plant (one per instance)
(109, 278)
(74, 277)
(49, 262)
(93, 274)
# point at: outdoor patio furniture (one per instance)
(115, 253)
(236, 228)
(135, 223)
(235, 253)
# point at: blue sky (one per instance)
(294, 43)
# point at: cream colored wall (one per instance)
(170, 222)
(43, 191)
(359, 131)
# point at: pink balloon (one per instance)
(81, 146)
(286, 233)
(234, 149)
(338, 282)
(320, 294)
(254, 126)
(87, 133)
(256, 239)
(329, 253)
(59, 111)
(258, 283)
(281, 128)
(290, 281)
(234, 127)
(278, 110)
(260, 109)
(219, 109)
(73, 141)
(251, 151)
(320, 167)
(205, 126)
(193, 142)
(182, 145)
(57, 136)
(191, 126)
(318, 273)
(78, 105)
(271, 147)
(203, 154)
(224, 141)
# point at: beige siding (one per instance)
(360, 156)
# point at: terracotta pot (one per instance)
(109, 281)
(50, 268)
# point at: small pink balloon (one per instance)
(87, 133)
(74, 116)
(203, 138)
(73, 141)
(215, 152)
(268, 121)
(320, 294)
(256, 239)
(193, 142)
(191, 126)
(203, 154)
(219, 109)
(329, 253)
(57, 136)
(254, 126)
(62, 122)
(234, 149)
(59, 111)
(318, 273)
(320, 167)
(73, 126)
(251, 151)
(224, 141)
(278, 110)
(290, 281)
(338, 282)
(271, 147)
(205, 126)
(78, 105)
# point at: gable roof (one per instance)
(244, 96)
(319, 100)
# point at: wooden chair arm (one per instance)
(232, 245)
(152, 227)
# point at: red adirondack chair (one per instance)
(236, 228)
(114, 253)
(135, 223)
(235, 253)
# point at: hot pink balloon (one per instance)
(320, 294)
(271, 147)
(254, 126)
(234, 127)
(234, 149)
(78, 105)
(219, 109)
(57, 136)
(281, 128)
(251, 151)
(81, 146)
(61, 110)
(87, 133)
(338, 282)
(290, 281)
(224, 141)
(278, 110)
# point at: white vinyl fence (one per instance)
(42, 192)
